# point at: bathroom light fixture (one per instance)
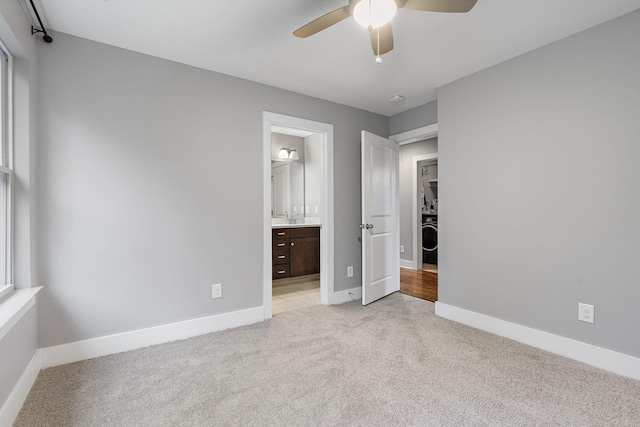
(288, 153)
(374, 13)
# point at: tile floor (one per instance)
(295, 296)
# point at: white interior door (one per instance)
(380, 219)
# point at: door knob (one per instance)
(369, 226)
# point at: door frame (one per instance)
(326, 212)
(408, 137)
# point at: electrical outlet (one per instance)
(401, 249)
(350, 271)
(586, 312)
(216, 290)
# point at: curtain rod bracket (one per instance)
(46, 37)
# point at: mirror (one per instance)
(287, 189)
(296, 183)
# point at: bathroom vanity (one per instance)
(295, 250)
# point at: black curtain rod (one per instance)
(46, 37)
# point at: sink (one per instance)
(305, 221)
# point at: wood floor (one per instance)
(419, 284)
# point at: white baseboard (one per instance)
(347, 295)
(407, 264)
(117, 343)
(16, 399)
(609, 360)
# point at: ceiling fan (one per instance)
(375, 15)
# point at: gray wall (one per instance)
(423, 115)
(406, 196)
(16, 351)
(144, 202)
(555, 135)
(313, 174)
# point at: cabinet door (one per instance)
(304, 256)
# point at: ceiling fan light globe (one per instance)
(381, 12)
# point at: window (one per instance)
(6, 173)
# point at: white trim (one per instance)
(407, 263)
(117, 343)
(609, 360)
(14, 307)
(347, 295)
(326, 230)
(416, 227)
(415, 135)
(5, 290)
(8, 170)
(18, 396)
(266, 219)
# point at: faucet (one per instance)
(291, 218)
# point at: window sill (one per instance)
(13, 307)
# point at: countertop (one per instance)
(306, 221)
(295, 225)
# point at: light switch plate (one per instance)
(216, 290)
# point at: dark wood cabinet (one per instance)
(295, 251)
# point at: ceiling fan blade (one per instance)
(450, 6)
(385, 42)
(325, 21)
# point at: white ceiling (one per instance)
(252, 39)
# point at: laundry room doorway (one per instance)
(419, 211)
(426, 234)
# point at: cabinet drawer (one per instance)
(304, 232)
(280, 243)
(280, 233)
(280, 256)
(280, 271)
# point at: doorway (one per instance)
(298, 224)
(427, 232)
(420, 214)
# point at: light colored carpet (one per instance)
(391, 363)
